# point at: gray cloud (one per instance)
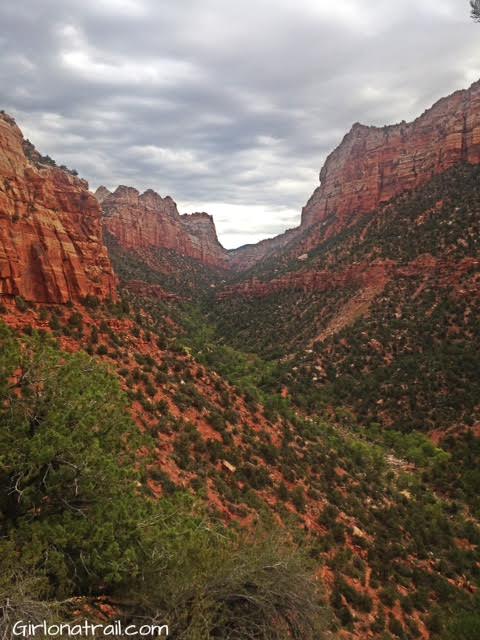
(228, 107)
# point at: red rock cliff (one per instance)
(143, 221)
(51, 247)
(374, 164)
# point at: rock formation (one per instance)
(101, 193)
(374, 164)
(51, 247)
(359, 275)
(144, 221)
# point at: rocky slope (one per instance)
(148, 221)
(393, 297)
(51, 247)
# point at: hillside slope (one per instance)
(382, 317)
(311, 395)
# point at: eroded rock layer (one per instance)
(145, 221)
(374, 164)
(51, 247)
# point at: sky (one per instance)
(228, 106)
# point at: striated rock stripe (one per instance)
(358, 275)
(51, 247)
(144, 221)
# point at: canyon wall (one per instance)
(248, 255)
(51, 247)
(374, 164)
(145, 221)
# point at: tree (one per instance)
(68, 501)
(475, 4)
(220, 585)
(75, 519)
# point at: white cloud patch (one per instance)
(228, 107)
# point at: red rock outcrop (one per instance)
(148, 290)
(143, 221)
(307, 281)
(201, 230)
(101, 193)
(359, 275)
(51, 247)
(374, 164)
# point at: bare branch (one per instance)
(475, 5)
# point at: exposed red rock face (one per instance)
(144, 221)
(374, 164)
(101, 193)
(306, 281)
(201, 230)
(148, 290)
(361, 275)
(51, 247)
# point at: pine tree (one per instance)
(67, 474)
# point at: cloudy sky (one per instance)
(228, 106)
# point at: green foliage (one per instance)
(75, 517)
(465, 626)
(67, 500)
(252, 586)
(21, 304)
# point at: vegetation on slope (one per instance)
(387, 517)
(308, 474)
(406, 358)
(77, 518)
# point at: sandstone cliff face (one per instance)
(101, 193)
(145, 221)
(51, 247)
(374, 164)
(201, 230)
